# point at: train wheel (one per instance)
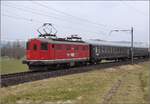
(37, 68)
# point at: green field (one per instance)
(12, 66)
(85, 88)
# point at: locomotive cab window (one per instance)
(27, 45)
(34, 47)
(44, 46)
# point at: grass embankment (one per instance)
(12, 66)
(84, 88)
(136, 87)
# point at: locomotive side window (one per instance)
(44, 46)
(85, 47)
(76, 48)
(52, 45)
(68, 47)
(58, 47)
(34, 47)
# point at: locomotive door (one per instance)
(72, 56)
(34, 52)
(72, 52)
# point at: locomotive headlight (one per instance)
(28, 55)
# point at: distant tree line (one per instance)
(15, 49)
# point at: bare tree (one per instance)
(13, 50)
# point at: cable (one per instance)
(45, 6)
(37, 13)
(41, 14)
(137, 10)
(16, 17)
(31, 20)
(81, 19)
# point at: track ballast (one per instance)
(22, 77)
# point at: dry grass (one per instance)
(84, 88)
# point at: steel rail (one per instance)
(22, 77)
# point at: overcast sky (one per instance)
(89, 19)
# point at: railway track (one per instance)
(22, 77)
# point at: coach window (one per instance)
(116, 49)
(97, 49)
(44, 46)
(121, 50)
(34, 47)
(110, 50)
(102, 49)
(105, 49)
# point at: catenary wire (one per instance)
(37, 13)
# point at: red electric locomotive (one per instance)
(48, 50)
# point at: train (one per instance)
(50, 51)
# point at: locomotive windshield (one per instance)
(35, 47)
(27, 46)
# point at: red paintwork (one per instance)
(37, 54)
(54, 53)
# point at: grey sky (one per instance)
(102, 16)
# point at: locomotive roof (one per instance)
(57, 41)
